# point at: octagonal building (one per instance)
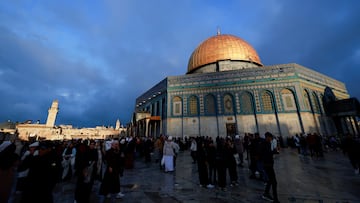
(227, 91)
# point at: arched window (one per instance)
(267, 102)
(306, 100)
(177, 106)
(228, 104)
(210, 105)
(288, 100)
(316, 105)
(246, 102)
(193, 106)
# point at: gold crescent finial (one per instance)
(218, 31)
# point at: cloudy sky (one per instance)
(96, 57)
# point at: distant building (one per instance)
(8, 131)
(50, 131)
(227, 91)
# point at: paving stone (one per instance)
(300, 179)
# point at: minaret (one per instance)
(53, 110)
(117, 127)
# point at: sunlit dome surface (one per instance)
(222, 47)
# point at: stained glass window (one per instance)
(246, 104)
(210, 104)
(306, 100)
(266, 101)
(228, 104)
(316, 105)
(177, 106)
(193, 105)
(288, 99)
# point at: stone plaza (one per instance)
(300, 179)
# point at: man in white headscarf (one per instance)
(25, 161)
(168, 154)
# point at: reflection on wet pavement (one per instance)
(300, 179)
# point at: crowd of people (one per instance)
(311, 142)
(218, 160)
(34, 171)
(315, 145)
(35, 168)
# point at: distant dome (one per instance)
(222, 47)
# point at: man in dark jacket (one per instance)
(111, 182)
(8, 164)
(85, 164)
(268, 161)
(41, 178)
(351, 147)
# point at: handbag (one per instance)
(162, 161)
(237, 158)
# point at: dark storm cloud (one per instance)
(97, 57)
(317, 34)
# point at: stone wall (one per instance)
(57, 133)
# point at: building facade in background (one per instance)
(50, 131)
(227, 91)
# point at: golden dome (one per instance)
(222, 47)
